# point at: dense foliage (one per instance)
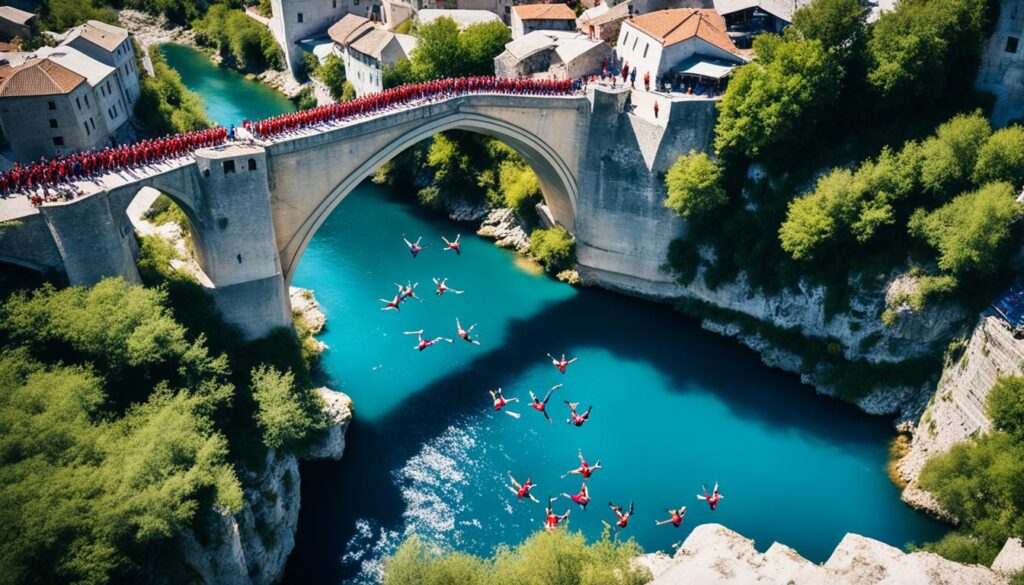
(60, 15)
(165, 105)
(979, 481)
(120, 428)
(565, 558)
(242, 42)
(332, 73)
(444, 51)
(554, 248)
(694, 185)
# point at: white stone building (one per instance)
(661, 41)
(47, 109)
(366, 49)
(71, 97)
(297, 20)
(527, 18)
(112, 46)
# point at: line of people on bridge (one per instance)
(52, 173)
(80, 165)
(406, 94)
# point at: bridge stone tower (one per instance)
(237, 247)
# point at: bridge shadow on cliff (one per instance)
(335, 495)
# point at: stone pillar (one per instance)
(93, 243)
(239, 248)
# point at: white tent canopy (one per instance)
(706, 67)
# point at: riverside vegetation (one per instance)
(129, 413)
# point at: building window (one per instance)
(87, 131)
(625, 37)
(51, 105)
(58, 141)
(334, 3)
(300, 17)
(1011, 44)
(93, 122)
(634, 42)
(647, 46)
(79, 102)
(108, 86)
(53, 123)
(86, 96)
(252, 164)
(229, 166)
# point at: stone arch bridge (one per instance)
(255, 206)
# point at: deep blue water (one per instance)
(674, 407)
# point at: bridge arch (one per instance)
(557, 179)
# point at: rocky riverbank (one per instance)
(713, 554)
(156, 30)
(957, 409)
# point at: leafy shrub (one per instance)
(165, 105)
(566, 558)
(694, 185)
(554, 248)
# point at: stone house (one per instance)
(297, 20)
(553, 55)
(603, 22)
(745, 19)
(527, 18)
(16, 23)
(112, 46)
(366, 49)
(47, 110)
(659, 42)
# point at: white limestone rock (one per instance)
(957, 410)
(1011, 558)
(338, 407)
(251, 546)
(715, 555)
(306, 307)
(864, 561)
(503, 226)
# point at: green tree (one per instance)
(776, 99)
(970, 231)
(438, 53)
(165, 105)
(554, 248)
(694, 185)
(837, 24)
(60, 15)
(978, 482)
(949, 157)
(400, 73)
(566, 557)
(480, 44)
(919, 46)
(284, 411)
(1001, 158)
(1006, 406)
(332, 73)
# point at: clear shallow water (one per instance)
(674, 406)
(228, 96)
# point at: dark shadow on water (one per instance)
(335, 495)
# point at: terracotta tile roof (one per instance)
(14, 15)
(106, 36)
(37, 77)
(544, 12)
(348, 29)
(676, 25)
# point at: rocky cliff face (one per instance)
(713, 554)
(957, 410)
(252, 546)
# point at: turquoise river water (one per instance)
(674, 406)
